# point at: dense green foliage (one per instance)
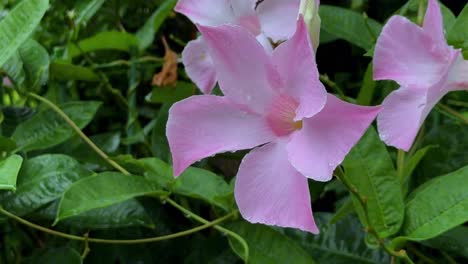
(89, 65)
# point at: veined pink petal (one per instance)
(408, 55)
(295, 61)
(433, 22)
(201, 126)
(207, 12)
(245, 72)
(326, 138)
(199, 66)
(458, 77)
(278, 18)
(403, 113)
(270, 191)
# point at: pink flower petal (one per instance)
(403, 113)
(207, 12)
(458, 78)
(201, 126)
(433, 22)
(244, 11)
(244, 69)
(270, 191)
(408, 55)
(326, 138)
(199, 66)
(295, 61)
(278, 18)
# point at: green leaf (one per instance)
(56, 256)
(350, 26)
(7, 145)
(267, 245)
(64, 71)
(339, 243)
(9, 169)
(42, 180)
(47, 128)
(413, 162)
(171, 95)
(368, 87)
(19, 25)
(370, 169)
(110, 40)
(193, 182)
(29, 67)
(86, 9)
(454, 241)
(103, 190)
(159, 144)
(458, 35)
(146, 34)
(129, 213)
(436, 206)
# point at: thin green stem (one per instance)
(420, 12)
(401, 164)
(217, 227)
(453, 113)
(206, 225)
(363, 202)
(326, 80)
(79, 132)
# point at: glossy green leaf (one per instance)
(339, 243)
(370, 169)
(47, 128)
(437, 206)
(350, 26)
(103, 190)
(193, 182)
(454, 241)
(29, 67)
(146, 34)
(458, 35)
(56, 256)
(9, 169)
(110, 40)
(159, 144)
(130, 213)
(42, 180)
(7, 144)
(181, 91)
(64, 71)
(20, 23)
(267, 245)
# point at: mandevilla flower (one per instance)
(424, 65)
(276, 103)
(268, 20)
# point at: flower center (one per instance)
(281, 115)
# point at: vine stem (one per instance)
(453, 113)
(79, 132)
(401, 164)
(87, 239)
(401, 254)
(217, 227)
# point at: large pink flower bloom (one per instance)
(275, 102)
(270, 19)
(425, 67)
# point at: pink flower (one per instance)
(268, 20)
(424, 65)
(275, 103)
(6, 81)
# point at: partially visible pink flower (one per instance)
(424, 65)
(275, 103)
(6, 81)
(268, 20)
